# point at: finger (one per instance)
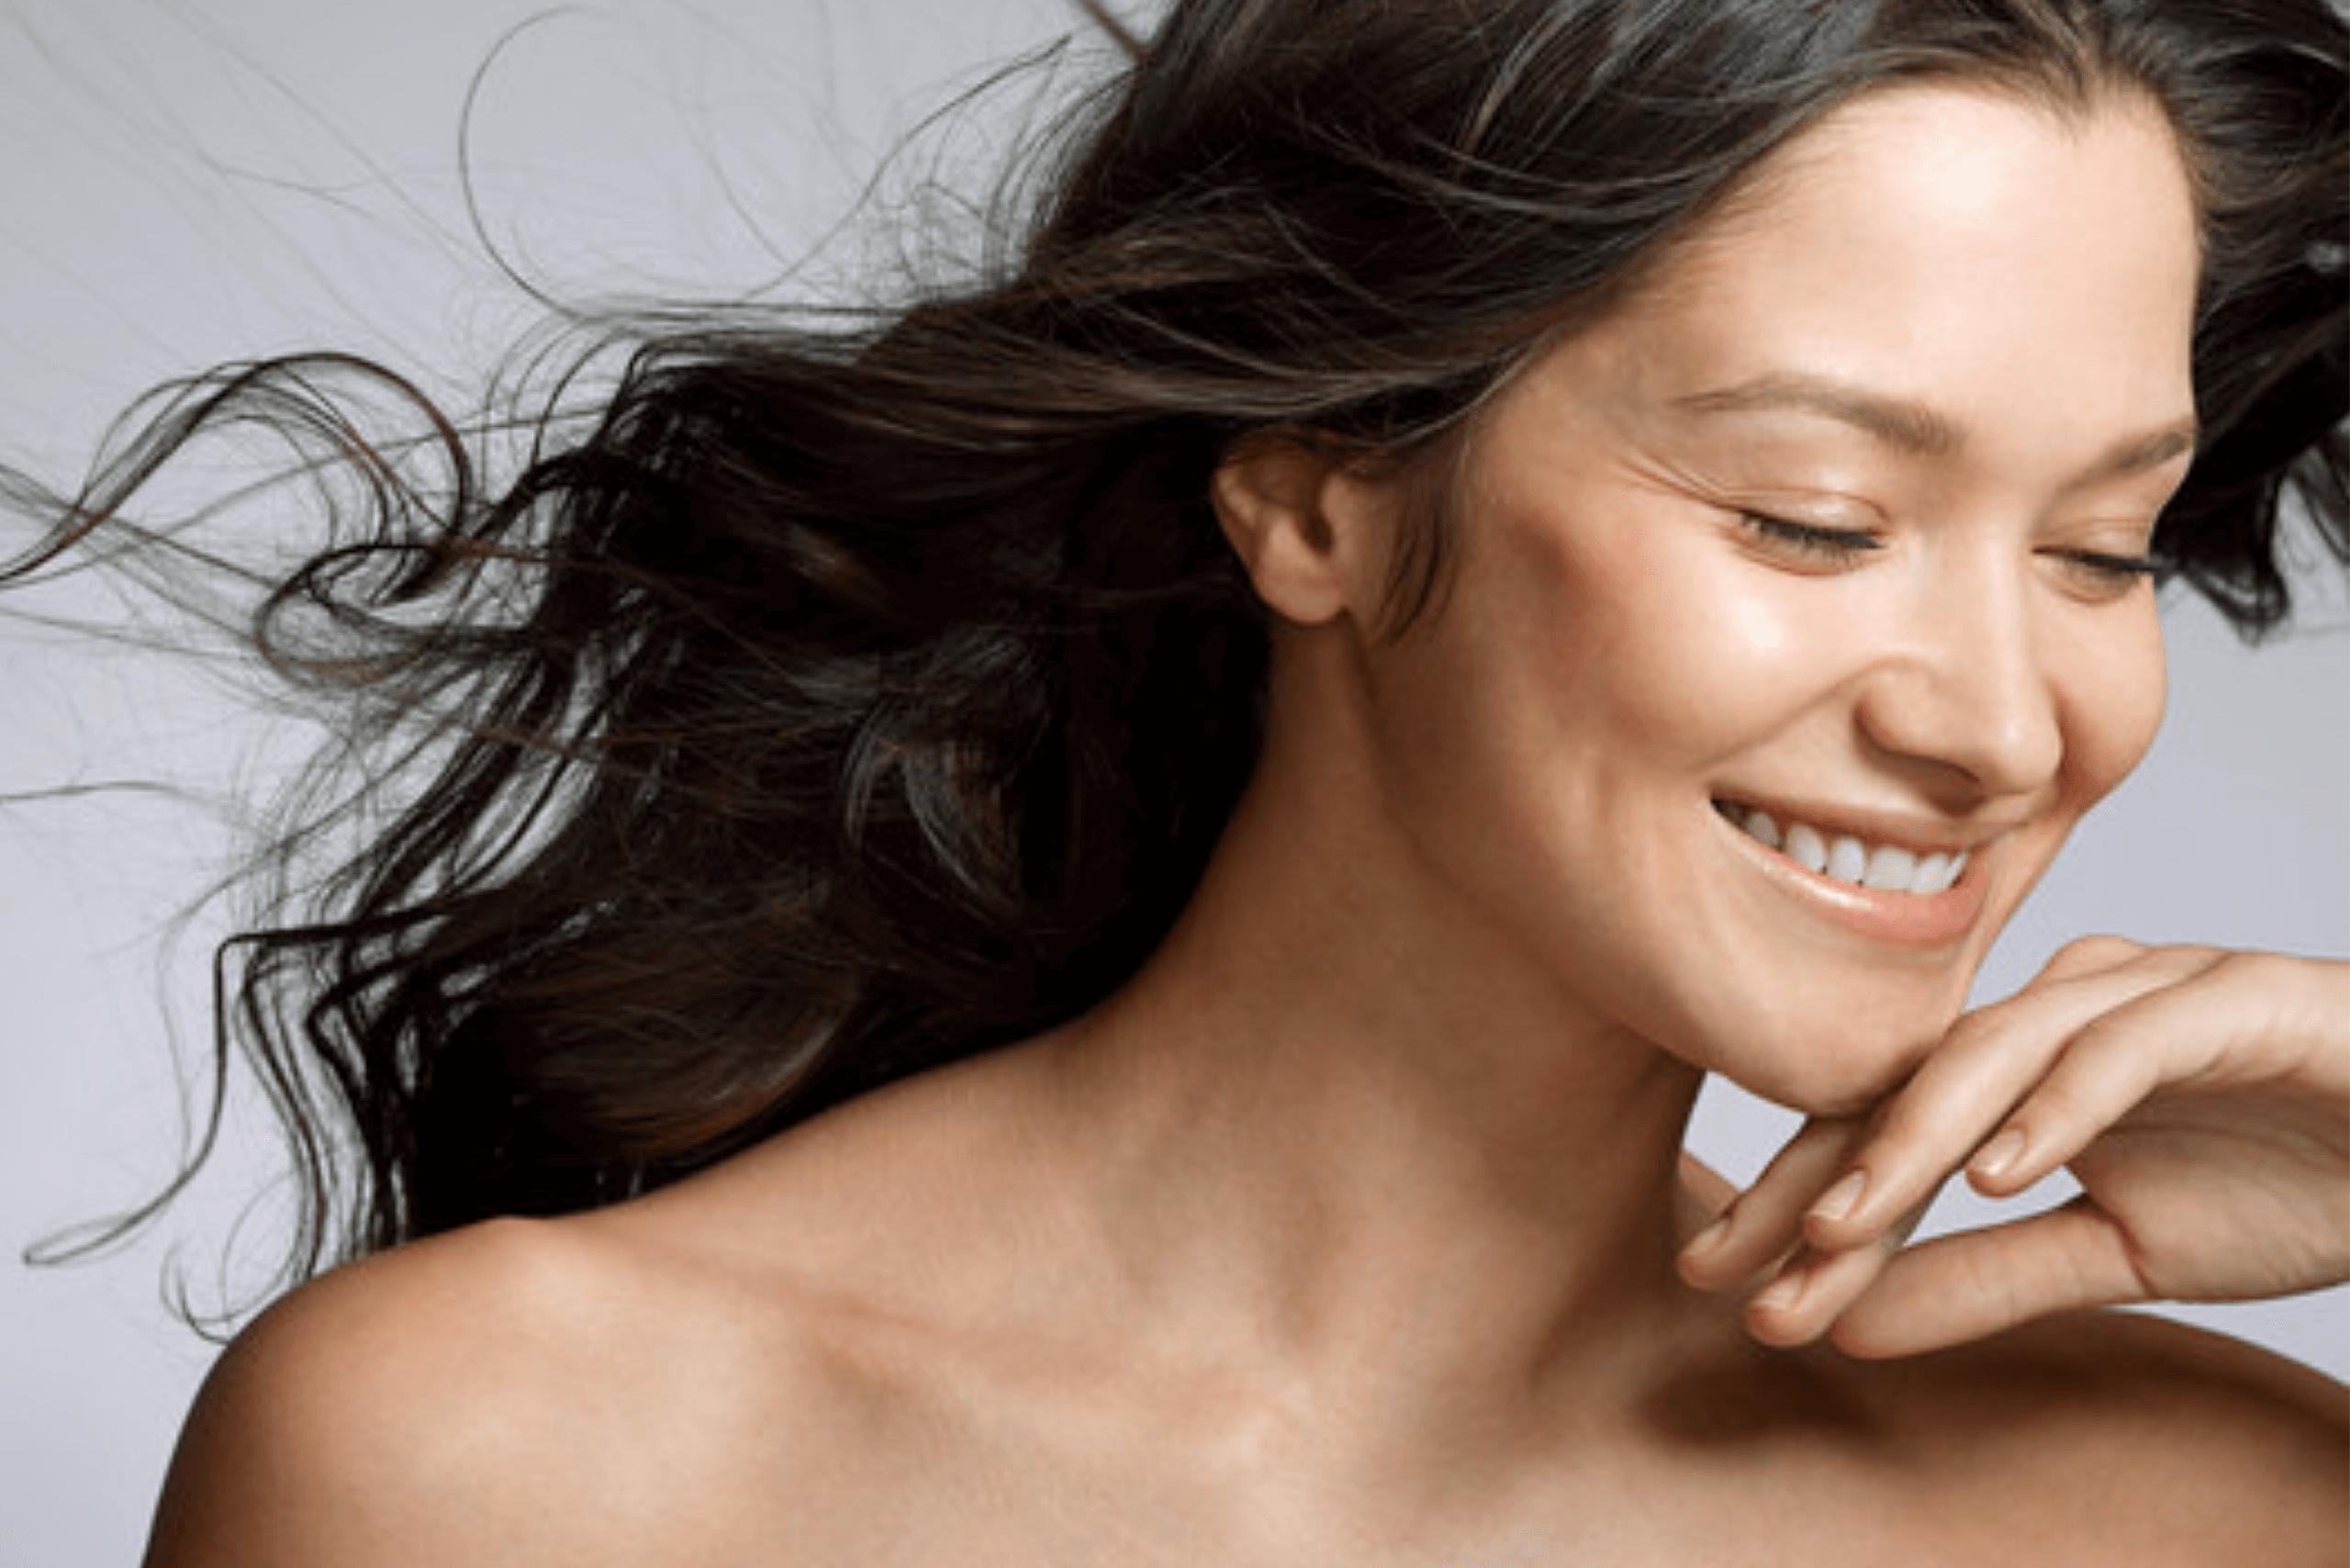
(1765, 1221)
(2232, 1026)
(1989, 1062)
(2086, 955)
(2113, 1064)
(1707, 1188)
(1969, 1286)
(1816, 1288)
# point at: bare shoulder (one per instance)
(748, 1366)
(517, 1393)
(2141, 1440)
(383, 1411)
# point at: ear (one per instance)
(1296, 517)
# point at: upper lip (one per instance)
(1877, 827)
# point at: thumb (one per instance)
(1969, 1286)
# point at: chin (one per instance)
(1836, 1070)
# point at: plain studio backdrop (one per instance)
(186, 182)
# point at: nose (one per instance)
(1964, 692)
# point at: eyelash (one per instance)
(2117, 573)
(1845, 546)
(1829, 546)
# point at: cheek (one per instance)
(1693, 650)
(2113, 692)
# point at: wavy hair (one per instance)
(847, 696)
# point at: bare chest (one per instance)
(932, 1502)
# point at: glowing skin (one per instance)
(1346, 1231)
(1957, 336)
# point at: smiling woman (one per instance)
(1079, 920)
(1848, 592)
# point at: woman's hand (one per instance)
(2200, 1098)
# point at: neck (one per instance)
(1361, 1144)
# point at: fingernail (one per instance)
(1784, 1292)
(1998, 1156)
(1708, 1239)
(1842, 1198)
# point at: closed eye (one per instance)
(2107, 574)
(1809, 541)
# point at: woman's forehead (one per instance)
(1937, 232)
(1946, 278)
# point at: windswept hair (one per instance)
(851, 694)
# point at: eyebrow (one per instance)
(1912, 427)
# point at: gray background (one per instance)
(189, 181)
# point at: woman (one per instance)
(1226, 787)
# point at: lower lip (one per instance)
(1906, 919)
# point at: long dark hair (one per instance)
(849, 695)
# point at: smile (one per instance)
(1884, 867)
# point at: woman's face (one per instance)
(1829, 524)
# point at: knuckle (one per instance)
(2259, 973)
(2000, 1294)
(2087, 954)
(1975, 1035)
(2187, 961)
(2059, 1102)
(1899, 1124)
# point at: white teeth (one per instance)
(1804, 848)
(1885, 867)
(1891, 868)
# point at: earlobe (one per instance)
(1274, 498)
